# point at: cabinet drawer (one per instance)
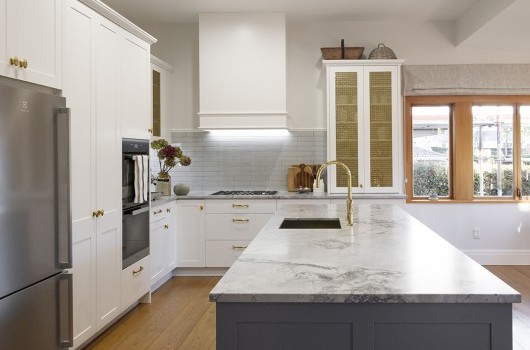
(160, 212)
(134, 282)
(224, 253)
(241, 206)
(234, 226)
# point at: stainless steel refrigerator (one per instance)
(35, 228)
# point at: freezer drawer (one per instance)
(38, 317)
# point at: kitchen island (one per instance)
(387, 282)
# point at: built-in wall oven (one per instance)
(135, 200)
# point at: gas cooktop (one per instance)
(244, 193)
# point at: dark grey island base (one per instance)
(386, 283)
(310, 326)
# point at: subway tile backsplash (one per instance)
(238, 161)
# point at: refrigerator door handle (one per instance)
(62, 186)
(66, 324)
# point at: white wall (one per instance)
(504, 227)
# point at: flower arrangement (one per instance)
(169, 156)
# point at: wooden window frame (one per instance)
(461, 149)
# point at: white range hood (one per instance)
(242, 71)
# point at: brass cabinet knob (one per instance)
(24, 63)
(102, 212)
(95, 213)
(14, 61)
(166, 226)
(150, 130)
(202, 207)
(168, 210)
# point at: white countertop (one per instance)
(386, 257)
(280, 195)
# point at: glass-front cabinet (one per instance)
(364, 125)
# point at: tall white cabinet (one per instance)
(364, 125)
(31, 41)
(92, 73)
(90, 88)
(135, 87)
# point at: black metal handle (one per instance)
(62, 188)
(66, 323)
(342, 49)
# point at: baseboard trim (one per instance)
(199, 271)
(499, 257)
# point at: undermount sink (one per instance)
(310, 223)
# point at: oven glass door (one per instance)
(135, 234)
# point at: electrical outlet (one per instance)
(476, 233)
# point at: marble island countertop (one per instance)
(386, 257)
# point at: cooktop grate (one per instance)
(245, 193)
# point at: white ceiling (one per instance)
(186, 11)
(499, 23)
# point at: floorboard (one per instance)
(180, 316)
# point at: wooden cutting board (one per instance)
(300, 176)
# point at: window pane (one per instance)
(493, 150)
(525, 149)
(430, 150)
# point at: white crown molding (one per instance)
(331, 63)
(121, 21)
(162, 64)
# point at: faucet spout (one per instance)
(349, 215)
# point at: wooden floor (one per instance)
(180, 316)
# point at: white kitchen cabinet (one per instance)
(364, 125)
(90, 88)
(161, 90)
(135, 87)
(231, 225)
(31, 41)
(163, 240)
(190, 233)
(135, 281)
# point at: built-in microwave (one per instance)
(135, 219)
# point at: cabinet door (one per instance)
(135, 78)
(381, 129)
(190, 233)
(78, 90)
(5, 68)
(170, 245)
(158, 232)
(37, 38)
(345, 98)
(108, 173)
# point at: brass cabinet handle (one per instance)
(157, 212)
(95, 214)
(14, 61)
(239, 247)
(360, 185)
(24, 64)
(166, 226)
(138, 271)
(101, 212)
(202, 207)
(168, 210)
(240, 205)
(240, 221)
(150, 130)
